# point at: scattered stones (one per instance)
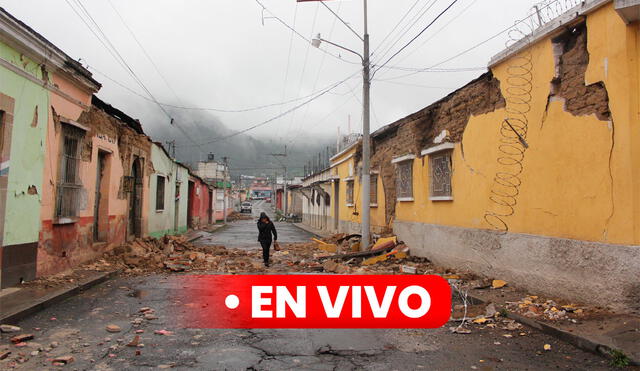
(9, 329)
(163, 332)
(54, 344)
(64, 360)
(4, 354)
(21, 338)
(113, 328)
(135, 342)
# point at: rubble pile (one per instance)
(535, 307)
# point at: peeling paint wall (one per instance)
(578, 189)
(63, 246)
(21, 165)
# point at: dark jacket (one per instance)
(265, 230)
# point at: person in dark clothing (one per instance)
(265, 229)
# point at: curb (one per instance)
(578, 341)
(55, 297)
(307, 230)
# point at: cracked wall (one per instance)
(572, 60)
(418, 131)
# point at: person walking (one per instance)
(265, 230)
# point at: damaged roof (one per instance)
(114, 112)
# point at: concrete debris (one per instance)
(135, 342)
(61, 361)
(498, 284)
(21, 338)
(9, 328)
(535, 307)
(113, 328)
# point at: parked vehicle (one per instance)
(245, 207)
(268, 200)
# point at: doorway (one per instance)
(135, 201)
(176, 208)
(210, 207)
(101, 206)
(190, 199)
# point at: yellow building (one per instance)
(527, 173)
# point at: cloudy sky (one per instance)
(233, 55)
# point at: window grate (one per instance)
(69, 190)
(373, 194)
(404, 179)
(440, 165)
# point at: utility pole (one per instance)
(366, 171)
(224, 187)
(365, 221)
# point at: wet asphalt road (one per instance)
(78, 326)
(244, 233)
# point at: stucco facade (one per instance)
(169, 216)
(24, 105)
(556, 211)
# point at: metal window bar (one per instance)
(404, 179)
(350, 192)
(69, 190)
(440, 166)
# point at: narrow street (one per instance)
(77, 327)
(243, 234)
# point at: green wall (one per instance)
(163, 222)
(22, 217)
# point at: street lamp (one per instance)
(366, 107)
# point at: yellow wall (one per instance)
(346, 212)
(571, 188)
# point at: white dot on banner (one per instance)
(232, 302)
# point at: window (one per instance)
(349, 192)
(440, 171)
(374, 190)
(160, 192)
(440, 174)
(69, 185)
(404, 180)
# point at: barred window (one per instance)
(440, 175)
(349, 192)
(373, 194)
(160, 192)
(69, 184)
(404, 179)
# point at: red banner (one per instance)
(314, 301)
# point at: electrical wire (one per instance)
(395, 27)
(454, 18)
(306, 39)
(218, 139)
(418, 35)
(257, 108)
(408, 27)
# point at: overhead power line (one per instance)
(418, 35)
(306, 39)
(257, 108)
(218, 139)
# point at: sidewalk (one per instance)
(600, 333)
(20, 302)
(312, 230)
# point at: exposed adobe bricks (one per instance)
(569, 82)
(417, 131)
